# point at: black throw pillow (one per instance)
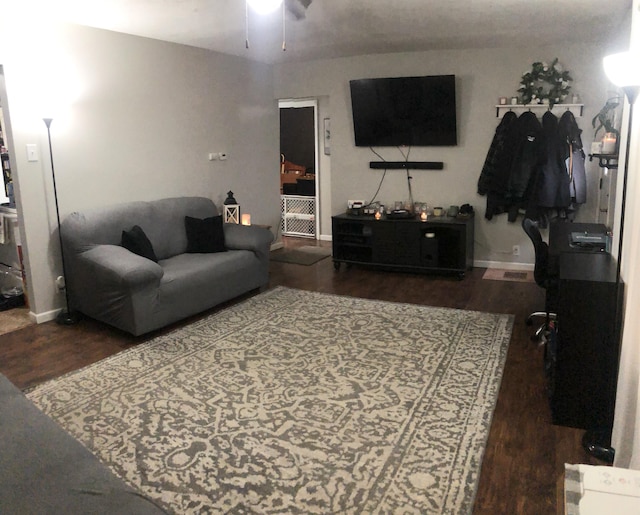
(137, 242)
(204, 235)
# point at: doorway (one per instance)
(299, 173)
(12, 272)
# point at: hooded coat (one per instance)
(525, 163)
(495, 171)
(552, 183)
(573, 157)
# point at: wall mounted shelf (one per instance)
(539, 109)
(606, 160)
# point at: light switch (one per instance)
(32, 152)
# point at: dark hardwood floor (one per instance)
(525, 455)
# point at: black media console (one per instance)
(440, 244)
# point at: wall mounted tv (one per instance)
(410, 111)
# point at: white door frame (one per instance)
(310, 102)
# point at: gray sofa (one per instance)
(109, 283)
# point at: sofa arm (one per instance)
(248, 237)
(118, 267)
(113, 285)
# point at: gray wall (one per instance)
(145, 114)
(140, 126)
(483, 76)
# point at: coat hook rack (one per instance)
(576, 109)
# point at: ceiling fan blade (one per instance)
(297, 8)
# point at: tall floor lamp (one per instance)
(623, 70)
(65, 317)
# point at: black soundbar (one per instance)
(406, 165)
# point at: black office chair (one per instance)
(544, 278)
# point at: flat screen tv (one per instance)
(409, 111)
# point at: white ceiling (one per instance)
(339, 28)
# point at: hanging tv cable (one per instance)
(284, 29)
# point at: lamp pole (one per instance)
(64, 317)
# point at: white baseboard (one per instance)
(47, 316)
(503, 265)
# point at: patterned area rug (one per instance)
(304, 255)
(297, 402)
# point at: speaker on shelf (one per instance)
(406, 165)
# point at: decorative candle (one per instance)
(246, 219)
(609, 143)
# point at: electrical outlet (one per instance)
(516, 250)
(60, 284)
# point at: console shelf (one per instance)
(440, 244)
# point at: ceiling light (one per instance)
(264, 6)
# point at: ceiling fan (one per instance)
(297, 8)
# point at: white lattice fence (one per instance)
(298, 215)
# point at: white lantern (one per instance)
(231, 214)
(231, 210)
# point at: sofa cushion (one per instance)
(204, 235)
(137, 242)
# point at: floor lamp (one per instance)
(65, 317)
(623, 70)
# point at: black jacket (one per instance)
(525, 163)
(552, 182)
(497, 165)
(573, 157)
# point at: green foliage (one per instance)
(544, 81)
(605, 118)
